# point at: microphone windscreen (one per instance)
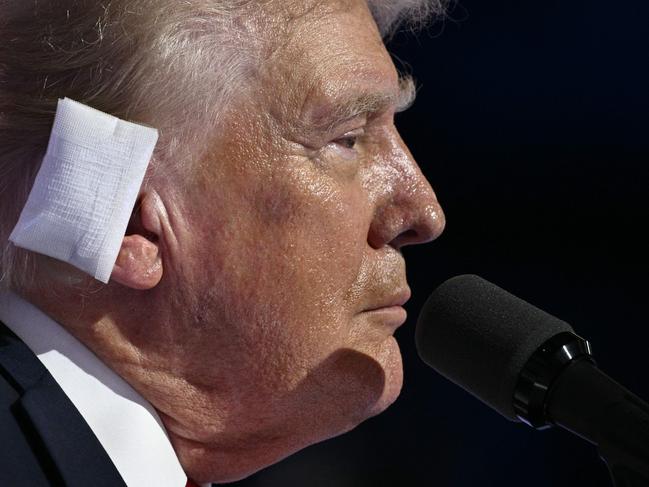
(480, 337)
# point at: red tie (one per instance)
(191, 483)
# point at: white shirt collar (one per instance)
(126, 425)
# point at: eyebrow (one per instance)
(371, 102)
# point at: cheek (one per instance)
(318, 227)
(321, 260)
(284, 256)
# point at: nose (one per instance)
(407, 211)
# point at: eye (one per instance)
(348, 142)
(350, 139)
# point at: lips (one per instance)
(394, 300)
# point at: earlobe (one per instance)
(139, 263)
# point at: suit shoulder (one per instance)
(18, 464)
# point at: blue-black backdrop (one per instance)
(531, 123)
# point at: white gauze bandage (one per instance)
(85, 191)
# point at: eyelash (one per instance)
(350, 139)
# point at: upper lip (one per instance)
(397, 299)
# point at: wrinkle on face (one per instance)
(322, 84)
(289, 244)
(259, 339)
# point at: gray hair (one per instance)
(135, 59)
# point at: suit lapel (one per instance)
(61, 439)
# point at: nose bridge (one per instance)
(410, 213)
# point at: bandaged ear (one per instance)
(86, 188)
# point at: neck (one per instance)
(194, 414)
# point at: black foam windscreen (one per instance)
(480, 337)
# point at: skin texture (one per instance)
(245, 309)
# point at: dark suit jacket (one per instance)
(44, 440)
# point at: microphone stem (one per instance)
(587, 402)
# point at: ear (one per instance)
(139, 262)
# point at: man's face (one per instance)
(292, 265)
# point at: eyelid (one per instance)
(348, 125)
(343, 149)
(329, 140)
(353, 133)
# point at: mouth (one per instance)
(392, 316)
(390, 311)
(396, 300)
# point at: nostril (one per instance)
(426, 229)
(406, 238)
(409, 235)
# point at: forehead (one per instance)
(329, 52)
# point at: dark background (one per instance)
(531, 124)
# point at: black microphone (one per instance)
(531, 367)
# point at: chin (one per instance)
(387, 363)
(390, 359)
(361, 384)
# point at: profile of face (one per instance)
(284, 282)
